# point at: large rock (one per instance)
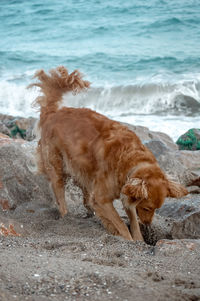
(189, 140)
(190, 160)
(19, 182)
(171, 162)
(184, 216)
(18, 127)
(146, 135)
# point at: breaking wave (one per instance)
(159, 99)
(181, 98)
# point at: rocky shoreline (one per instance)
(44, 257)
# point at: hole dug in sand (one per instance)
(159, 229)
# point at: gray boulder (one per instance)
(190, 160)
(18, 127)
(170, 162)
(146, 135)
(19, 182)
(184, 215)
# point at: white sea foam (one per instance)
(171, 108)
(174, 126)
(179, 98)
(16, 99)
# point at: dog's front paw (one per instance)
(63, 212)
(137, 236)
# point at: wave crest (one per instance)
(118, 100)
(158, 99)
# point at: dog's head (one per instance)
(148, 194)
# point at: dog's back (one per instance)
(92, 146)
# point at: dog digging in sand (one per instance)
(105, 158)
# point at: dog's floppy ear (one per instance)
(176, 190)
(136, 188)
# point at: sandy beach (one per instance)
(75, 259)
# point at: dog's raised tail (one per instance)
(54, 85)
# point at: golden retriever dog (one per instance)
(106, 159)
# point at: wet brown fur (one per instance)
(106, 159)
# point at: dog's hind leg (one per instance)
(86, 203)
(56, 175)
(109, 226)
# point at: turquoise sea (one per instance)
(142, 57)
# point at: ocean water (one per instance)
(142, 57)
